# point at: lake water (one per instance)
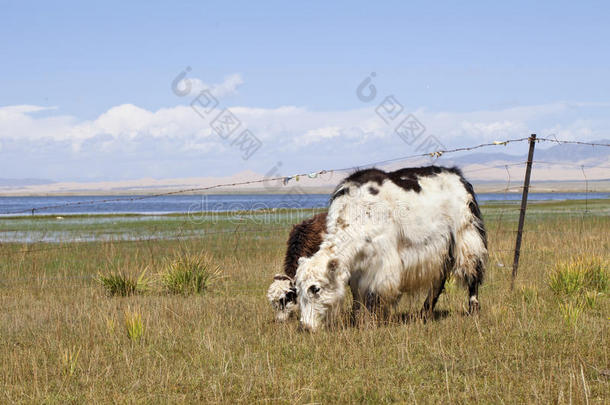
(10, 206)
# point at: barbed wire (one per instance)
(546, 162)
(500, 166)
(179, 236)
(505, 190)
(435, 154)
(440, 152)
(559, 141)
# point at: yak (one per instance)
(390, 233)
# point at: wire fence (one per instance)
(502, 223)
(435, 154)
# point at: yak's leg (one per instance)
(372, 302)
(367, 300)
(356, 309)
(439, 284)
(437, 288)
(376, 307)
(473, 301)
(473, 289)
(356, 300)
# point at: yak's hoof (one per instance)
(473, 306)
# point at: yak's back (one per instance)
(412, 180)
(406, 178)
(304, 241)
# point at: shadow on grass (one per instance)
(403, 318)
(413, 317)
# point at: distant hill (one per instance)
(570, 152)
(558, 163)
(24, 182)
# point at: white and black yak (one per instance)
(389, 233)
(304, 240)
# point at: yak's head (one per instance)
(282, 296)
(320, 286)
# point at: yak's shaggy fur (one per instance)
(391, 233)
(304, 241)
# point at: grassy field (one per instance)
(63, 339)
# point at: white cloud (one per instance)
(16, 122)
(319, 134)
(24, 108)
(289, 133)
(294, 125)
(227, 87)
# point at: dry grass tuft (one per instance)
(134, 324)
(582, 274)
(119, 283)
(189, 273)
(70, 360)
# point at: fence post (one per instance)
(526, 186)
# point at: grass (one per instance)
(63, 339)
(188, 274)
(70, 360)
(122, 284)
(578, 283)
(581, 274)
(133, 324)
(184, 274)
(571, 312)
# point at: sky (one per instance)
(128, 90)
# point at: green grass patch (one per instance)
(134, 324)
(189, 273)
(119, 283)
(580, 275)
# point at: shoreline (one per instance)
(514, 187)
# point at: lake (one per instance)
(169, 204)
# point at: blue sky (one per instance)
(86, 89)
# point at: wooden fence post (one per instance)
(526, 186)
